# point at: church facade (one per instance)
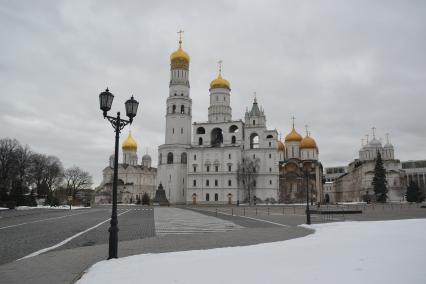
(134, 180)
(200, 162)
(356, 184)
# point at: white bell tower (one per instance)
(172, 161)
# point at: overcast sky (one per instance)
(341, 67)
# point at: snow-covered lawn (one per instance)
(4, 208)
(348, 252)
(49, 207)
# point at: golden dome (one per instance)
(308, 143)
(179, 54)
(129, 144)
(280, 146)
(293, 136)
(219, 82)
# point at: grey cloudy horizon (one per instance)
(340, 67)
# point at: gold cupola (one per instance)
(308, 143)
(179, 59)
(220, 82)
(280, 146)
(293, 136)
(129, 144)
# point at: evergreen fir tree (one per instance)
(145, 199)
(379, 181)
(414, 194)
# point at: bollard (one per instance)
(216, 212)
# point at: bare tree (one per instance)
(247, 171)
(38, 173)
(54, 172)
(7, 164)
(76, 180)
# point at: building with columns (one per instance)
(199, 161)
(415, 171)
(133, 179)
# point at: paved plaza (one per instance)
(58, 245)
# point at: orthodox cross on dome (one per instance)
(366, 135)
(307, 131)
(255, 97)
(219, 63)
(180, 37)
(374, 132)
(362, 141)
(293, 118)
(387, 138)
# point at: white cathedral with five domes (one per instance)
(198, 161)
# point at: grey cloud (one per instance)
(338, 66)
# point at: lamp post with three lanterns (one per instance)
(105, 102)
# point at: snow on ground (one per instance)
(49, 207)
(348, 252)
(4, 208)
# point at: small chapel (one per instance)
(134, 178)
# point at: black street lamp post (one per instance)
(308, 212)
(105, 102)
(306, 172)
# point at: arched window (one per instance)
(170, 158)
(216, 197)
(207, 197)
(233, 129)
(269, 136)
(200, 141)
(216, 137)
(254, 141)
(182, 109)
(254, 122)
(174, 109)
(229, 182)
(233, 139)
(183, 158)
(201, 130)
